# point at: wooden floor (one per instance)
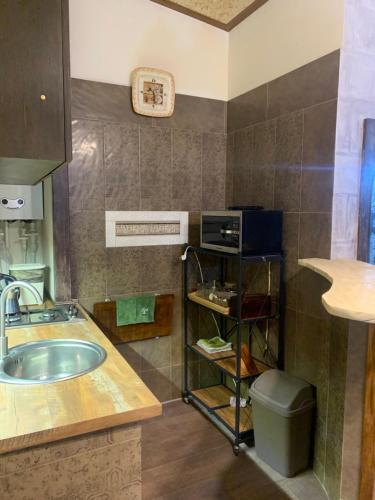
(185, 457)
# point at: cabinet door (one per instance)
(31, 80)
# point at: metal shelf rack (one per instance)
(214, 400)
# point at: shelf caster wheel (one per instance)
(186, 400)
(236, 450)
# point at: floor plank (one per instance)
(185, 457)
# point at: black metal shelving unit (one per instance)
(215, 399)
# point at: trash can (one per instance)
(282, 417)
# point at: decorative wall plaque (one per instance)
(153, 92)
(139, 228)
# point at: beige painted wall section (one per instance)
(109, 38)
(280, 37)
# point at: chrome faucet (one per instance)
(3, 297)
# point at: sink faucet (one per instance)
(3, 296)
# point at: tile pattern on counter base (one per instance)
(104, 464)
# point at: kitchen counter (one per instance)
(352, 294)
(109, 396)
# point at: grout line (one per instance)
(285, 114)
(301, 166)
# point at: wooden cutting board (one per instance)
(104, 314)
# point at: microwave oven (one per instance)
(254, 232)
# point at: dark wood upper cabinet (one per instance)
(35, 124)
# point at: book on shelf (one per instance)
(216, 344)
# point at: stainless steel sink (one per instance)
(47, 361)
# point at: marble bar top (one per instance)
(352, 294)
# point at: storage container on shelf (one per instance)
(33, 274)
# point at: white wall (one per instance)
(109, 38)
(280, 37)
(356, 102)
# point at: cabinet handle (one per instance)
(43, 97)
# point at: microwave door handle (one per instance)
(229, 231)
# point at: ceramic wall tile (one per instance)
(213, 171)
(320, 448)
(131, 162)
(290, 340)
(177, 381)
(315, 235)
(121, 159)
(88, 274)
(312, 356)
(354, 401)
(311, 84)
(132, 355)
(176, 337)
(287, 188)
(311, 286)
(302, 109)
(87, 230)
(103, 101)
(87, 257)
(159, 382)
(196, 113)
(161, 268)
(123, 270)
(156, 353)
(289, 134)
(336, 403)
(247, 109)
(230, 169)
(318, 157)
(291, 278)
(265, 143)
(262, 180)
(290, 248)
(86, 189)
(187, 170)
(317, 189)
(290, 235)
(288, 162)
(156, 168)
(243, 154)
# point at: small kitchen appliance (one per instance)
(242, 230)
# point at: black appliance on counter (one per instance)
(245, 230)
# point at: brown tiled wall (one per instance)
(124, 161)
(281, 150)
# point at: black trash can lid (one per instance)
(283, 393)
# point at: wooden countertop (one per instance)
(352, 294)
(111, 395)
